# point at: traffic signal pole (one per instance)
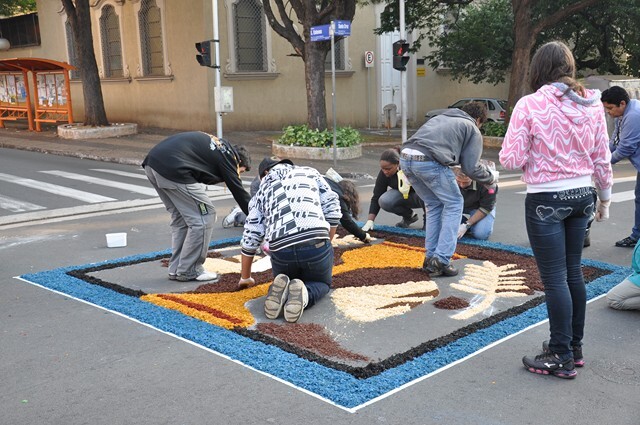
(216, 41)
(403, 79)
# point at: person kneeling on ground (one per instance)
(387, 196)
(479, 207)
(297, 213)
(626, 295)
(349, 203)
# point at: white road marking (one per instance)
(55, 189)
(121, 173)
(15, 205)
(149, 191)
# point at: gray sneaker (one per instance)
(298, 300)
(276, 297)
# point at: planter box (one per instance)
(492, 142)
(301, 152)
(80, 131)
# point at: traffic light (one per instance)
(400, 49)
(204, 56)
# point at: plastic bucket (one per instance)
(116, 240)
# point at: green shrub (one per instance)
(494, 129)
(301, 135)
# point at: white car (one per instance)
(496, 108)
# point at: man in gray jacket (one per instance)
(446, 140)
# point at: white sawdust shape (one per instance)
(371, 303)
(491, 282)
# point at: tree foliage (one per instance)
(16, 7)
(292, 20)
(485, 40)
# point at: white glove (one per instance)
(462, 230)
(245, 283)
(602, 210)
(368, 226)
(367, 238)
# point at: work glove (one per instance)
(367, 238)
(368, 226)
(462, 230)
(602, 210)
(245, 283)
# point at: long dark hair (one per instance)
(553, 62)
(350, 196)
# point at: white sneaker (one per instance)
(276, 297)
(207, 277)
(298, 300)
(230, 219)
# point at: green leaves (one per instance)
(16, 7)
(302, 135)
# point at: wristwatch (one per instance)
(468, 225)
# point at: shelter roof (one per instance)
(33, 65)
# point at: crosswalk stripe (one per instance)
(121, 173)
(627, 195)
(55, 189)
(15, 205)
(104, 182)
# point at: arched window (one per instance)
(111, 45)
(150, 23)
(71, 51)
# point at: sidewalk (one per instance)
(132, 149)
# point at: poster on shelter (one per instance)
(52, 91)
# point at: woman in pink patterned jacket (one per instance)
(558, 137)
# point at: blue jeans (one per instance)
(556, 224)
(311, 264)
(635, 232)
(484, 228)
(436, 185)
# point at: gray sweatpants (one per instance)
(624, 296)
(192, 219)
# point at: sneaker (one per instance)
(173, 276)
(628, 242)
(230, 219)
(202, 277)
(427, 266)
(550, 364)
(407, 222)
(440, 269)
(276, 297)
(578, 360)
(298, 300)
(587, 239)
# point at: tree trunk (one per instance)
(314, 57)
(80, 20)
(524, 40)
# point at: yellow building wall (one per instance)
(186, 100)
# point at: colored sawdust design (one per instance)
(322, 360)
(375, 302)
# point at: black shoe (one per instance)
(628, 242)
(407, 222)
(578, 359)
(550, 364)
(441, 269)
(587, 239)
(427, 266)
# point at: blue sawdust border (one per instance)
(339, 387)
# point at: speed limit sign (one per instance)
(368, 59)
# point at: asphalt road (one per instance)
(68, 362)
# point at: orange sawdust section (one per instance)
(224, 309)
(379, 256)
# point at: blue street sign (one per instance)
(343, 28)
(320, 33)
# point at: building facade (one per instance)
(145, 50)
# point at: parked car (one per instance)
(496, 108)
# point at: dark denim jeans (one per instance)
(556, 224)
(312, 265)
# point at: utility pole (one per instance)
(216, 41)
(403, 79)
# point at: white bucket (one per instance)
(116, 240)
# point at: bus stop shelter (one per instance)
(51, 99)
